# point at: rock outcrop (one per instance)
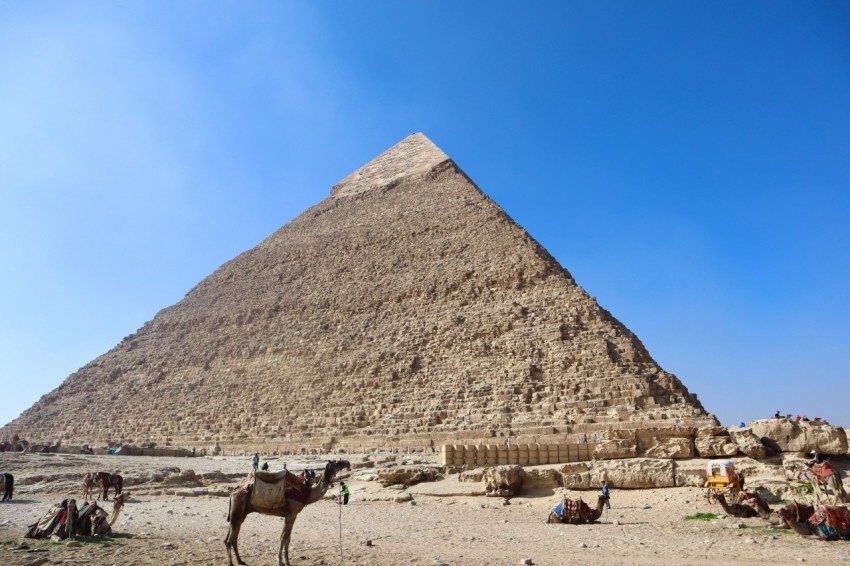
(748, 443)
(788, 436)
(407, 475)
(627, 474)
(713, 442)
(502, 481)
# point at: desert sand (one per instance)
(176, 516)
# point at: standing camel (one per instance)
(105, 480)
(7, 484)
(88, 482)
(824, 478)
(241, 505)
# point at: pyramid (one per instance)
(405, 307)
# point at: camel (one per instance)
(67, 520)
(88, 482)
(796, 516)
(831, 522)
(741, 510)
(7, 481)
(105, 480)
(290, 505)
(825, 480)
(93, 520)
(577, 512)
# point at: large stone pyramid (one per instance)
(407, 307)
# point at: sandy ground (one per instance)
(169, 520)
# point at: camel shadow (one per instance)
(18, 502)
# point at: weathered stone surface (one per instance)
(715, 446)
(748, 443)
(502, 481)
(611, 449)
(671, 448)
(665, 442)
(627, 474)
(787, 436)
(407, 475)
(406, 308)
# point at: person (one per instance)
(193, 452)
(256, 461)
(343, 489)
(777, 415)
(607, 493)
(265, 467)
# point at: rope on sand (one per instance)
(340, 530)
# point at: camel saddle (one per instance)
(822, 471)
(270, 489)
(834, 516)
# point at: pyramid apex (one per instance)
(414, 155)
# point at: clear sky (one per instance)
(687, 162)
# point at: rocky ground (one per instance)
(177, 511)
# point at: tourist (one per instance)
(343, 490)
(265, 467)
(607, 493)
(778, 415)
(256, 461)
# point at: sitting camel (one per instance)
(67, 520)
(796, 517)
(282, 496)
(831, 522)
(577, 512)
(741, 510)
(105, 480)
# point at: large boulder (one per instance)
(665, 442)
(634, 473)
(787, 436)
(670, 448)
(407, 475)
(502, 481)
(715, 446)
(748, 443)
(612, 449)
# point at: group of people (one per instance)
(799, 418)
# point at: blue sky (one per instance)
(688, 162)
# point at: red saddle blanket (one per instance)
(833, 516)
(822, 471)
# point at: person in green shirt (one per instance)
(343, 490)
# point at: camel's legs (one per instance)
(284, 538)
(236, 516)
(232, 541)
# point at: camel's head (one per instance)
(332, 469)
